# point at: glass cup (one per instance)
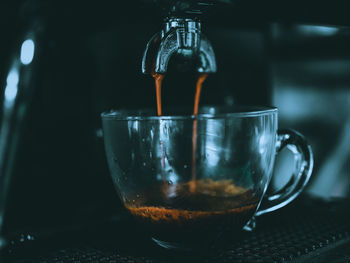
(189, 178)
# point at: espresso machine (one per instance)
(63, 64)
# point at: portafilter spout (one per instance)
(178, 36)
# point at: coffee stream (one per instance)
(200, 81)
(158, 78)
(197, 202)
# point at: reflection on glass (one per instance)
(11, 86)
(263, 143)
(213, 149)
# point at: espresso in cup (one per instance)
(179, 213)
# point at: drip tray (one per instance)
(307, 231)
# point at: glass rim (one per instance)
(122, 115)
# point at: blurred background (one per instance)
(63, 64)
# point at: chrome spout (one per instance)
(181, 36)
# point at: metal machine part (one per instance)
(179, 36)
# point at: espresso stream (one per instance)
(186, 211)
(158, 78)
(200, 81)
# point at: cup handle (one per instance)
(304, 162)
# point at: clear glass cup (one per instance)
(189, 178)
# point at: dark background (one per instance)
(87, 60)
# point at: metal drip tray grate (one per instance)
(308, 231)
